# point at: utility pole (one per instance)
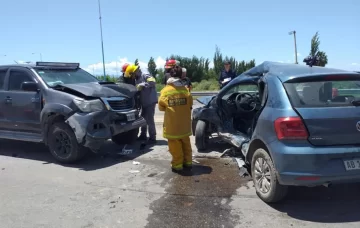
(102, 43)
(294, 33)
(39, 55)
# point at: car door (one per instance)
(3, 122)
(23, 107)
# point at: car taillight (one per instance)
(290, 128)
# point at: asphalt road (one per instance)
(110, 191)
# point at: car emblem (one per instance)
(358, 126)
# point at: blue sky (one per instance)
(69, 30)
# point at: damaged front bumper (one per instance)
(93, 129)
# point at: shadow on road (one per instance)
(110, 154)
(337, 204)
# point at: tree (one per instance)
(218, 61)
(136, 62)
(152, 67)
(315, 51)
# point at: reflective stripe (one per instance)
(188, 163)
(150, 79)
(176, 136)
(177, 167)
(175, 92)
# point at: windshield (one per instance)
(323, 93)
(54, 77)
(243, 88)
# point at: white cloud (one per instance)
(355, 64)
(114, 67)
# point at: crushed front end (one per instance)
(119, 115)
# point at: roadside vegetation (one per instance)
(204, 75)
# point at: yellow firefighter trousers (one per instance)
(181, 152)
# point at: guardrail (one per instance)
(212, 93)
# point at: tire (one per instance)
(275, 192)
(128, 137)
(63, 144)
(201, 137)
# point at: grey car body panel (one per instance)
(58, 102)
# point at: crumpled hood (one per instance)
(205, 100)
(95, 89)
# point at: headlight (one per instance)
(89, 106)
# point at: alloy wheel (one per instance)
(262, 175)
(62, 145)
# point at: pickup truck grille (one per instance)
(120, 104)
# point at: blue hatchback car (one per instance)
(294, 124)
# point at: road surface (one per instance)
(112, 191)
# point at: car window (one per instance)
(243, 88)
(17, 78)
(323, 93)
(2, 78)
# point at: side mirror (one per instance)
(29, 86)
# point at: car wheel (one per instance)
(201, 136)
(63, 144)
(265, 180)
(128, 137)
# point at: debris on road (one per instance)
(136, 163)
(242, 166)
(125, 151)
(195, 161)
(134, 171)
(240, 162)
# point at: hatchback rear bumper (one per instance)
(306, 165)
(310, 180)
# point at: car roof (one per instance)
(19, 65)
(286, 71)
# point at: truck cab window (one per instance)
(17, 78)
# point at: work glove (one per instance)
(142, 85)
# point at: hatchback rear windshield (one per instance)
(323, 93)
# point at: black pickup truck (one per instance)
(66, 108)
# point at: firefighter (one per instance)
(128, 80)
(176, 101)
(169, 67)
(145, 83)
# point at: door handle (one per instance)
(35, 100)
(8, 100)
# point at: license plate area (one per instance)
(130, 117)
(353, 164)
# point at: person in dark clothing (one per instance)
(226, 75)
(186, 81)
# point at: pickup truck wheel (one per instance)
(63, 144)
(128, 137)
(201, 137)
(264, 177)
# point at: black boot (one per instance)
(142, 138)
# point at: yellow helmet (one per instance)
(130, 70)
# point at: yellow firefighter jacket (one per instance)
(177, 103)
